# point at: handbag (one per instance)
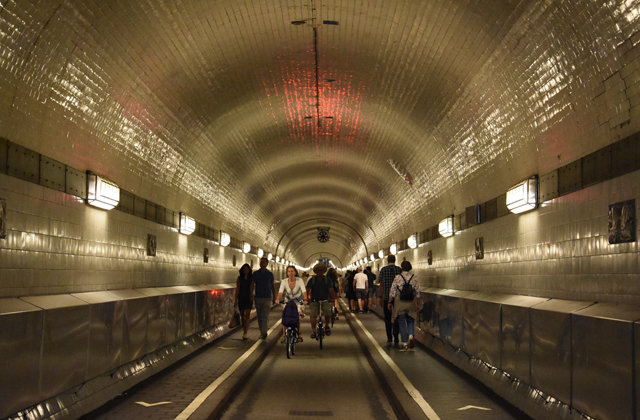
(235, 320)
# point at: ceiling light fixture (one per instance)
(102, 193)
(225, 239)
(187, 224)
(446, 227)
(523, 196)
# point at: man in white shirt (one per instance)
(361, 284)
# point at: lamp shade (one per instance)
(372, 258)
(413, 241)
(225, 239)
(260, 253)
(380, 254)
(102, 193)
(246, 247)
(523, 196)
(393, 248)
(446, 227)
(270, 256)
(187, 224)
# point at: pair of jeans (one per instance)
(407, 326)
(263, 307)
(392, 327)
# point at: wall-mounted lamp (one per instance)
(446, 227)
(380, 254)
(277, 259)
(393, 248)
(102, 193)
(187, 224)
(523, 196)
(372, 258)
(225, 239)
(413, 241)
(270, 256)
(246, 247)
(260, 253)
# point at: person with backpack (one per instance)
(293, 290)
(404, 300)
(320, 289)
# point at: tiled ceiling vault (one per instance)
(268, 119)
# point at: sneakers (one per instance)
(411, 343)
(244, 336)
(404, 348)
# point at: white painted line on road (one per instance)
(469, 407)
(411, 390)
(144, 404)
(195, 404)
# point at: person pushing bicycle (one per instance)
(320, 288)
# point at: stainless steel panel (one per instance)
(105, 331)
(52, 173)
(175, 306)
(551, 347)
(20, 344)
(23, 163)
(64, 349)
(570, 178)
(156, 318)
(134, 335)
(636, 367)
(139, 206)
(453, 301)
(603, 365)
(596, 167)
(76, 182)
(470, 323)
(150, 212)
(126, 202)
(490, 328)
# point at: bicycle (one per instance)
(334, 314)
(290, 341)
(320, 332)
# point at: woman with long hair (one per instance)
(293, 289)
(244, 297)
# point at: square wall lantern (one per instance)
(372, 258)
(446, 227)
(412, 241)
(260, 253)
(246, 247)
(380, 254)
(270, 256)
(102, 193)
(523, 196)
(393, 248)
(187, 224)
(277, 259)
(225, 239)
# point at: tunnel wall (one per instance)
(546, 356)
(57, 244)
(71, 353)
(560, 250)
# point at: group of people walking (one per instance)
(398, 295)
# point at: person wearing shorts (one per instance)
(319, 288)
(361, 284)
(373, 290)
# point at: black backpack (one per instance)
(407, 294)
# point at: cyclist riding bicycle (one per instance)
(294, 291)
(320, 288)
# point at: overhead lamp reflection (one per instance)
(246, 247)
(393, 248)
(446, 227)
(187, 224)
(523, 196)
(412, 241)
(225, 239)
(101, 193)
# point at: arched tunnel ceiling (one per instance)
(231, 113)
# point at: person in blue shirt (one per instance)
(265, 295)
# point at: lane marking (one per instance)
(411, 390)
(152, 405)
(197, 402)
(469, 407)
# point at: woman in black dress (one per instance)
(244, 297)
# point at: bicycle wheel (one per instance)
(287, 343)
(320, 334)
(294, 341)
(333, 315)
